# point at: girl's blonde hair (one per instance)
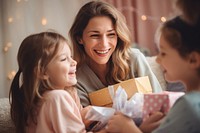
(35, 53)
(119, 63)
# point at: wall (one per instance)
(20, 18)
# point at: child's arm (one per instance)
(122, 124)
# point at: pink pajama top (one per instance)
(60, 113)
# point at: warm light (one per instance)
(143, 17)
(44, 21)
(5, 49)
(11, 74)
(10, 20)
(18, 0)
(7, 46)
(163, 19)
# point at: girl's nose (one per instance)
(73, 62)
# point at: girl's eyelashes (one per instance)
(63, 59)
(162, 54)
(68, 58)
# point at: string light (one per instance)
(163, 19)
(44, 21)
(7, 47)
(10, 20)
(142, 16)
(11, 74)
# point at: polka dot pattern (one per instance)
(159, 102)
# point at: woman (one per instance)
(102, 48)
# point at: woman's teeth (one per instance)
(102, 51)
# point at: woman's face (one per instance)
(99, 39)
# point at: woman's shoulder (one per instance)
(136, 53)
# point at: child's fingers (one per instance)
(156, 116)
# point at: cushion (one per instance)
(157, 71)
(6, 125)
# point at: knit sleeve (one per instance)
(141, 68)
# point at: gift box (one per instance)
(102, 97)
(159, 102)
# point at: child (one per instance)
(42, 95)
(179, 55)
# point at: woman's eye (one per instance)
(94, 35)
(112, 35)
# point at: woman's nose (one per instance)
(104, 41)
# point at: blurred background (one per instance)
(20, 18)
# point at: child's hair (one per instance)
(35, 53)
(182, 36)
(119, 61)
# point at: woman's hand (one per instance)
(120, 123)
(152, 122)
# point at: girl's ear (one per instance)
(194, 59)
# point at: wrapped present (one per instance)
(159, 102)
(131, 86)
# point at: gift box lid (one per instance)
(102, 97)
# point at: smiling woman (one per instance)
(102, 48)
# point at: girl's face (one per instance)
(61, 70)
(174, 66)
(99, 39)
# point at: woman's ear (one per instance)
(80, 41)
(194, 59)
(44, 76)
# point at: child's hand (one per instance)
(83, 114)
(121, 124)
(152, 122)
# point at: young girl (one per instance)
(42, 95)
(179, 55)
